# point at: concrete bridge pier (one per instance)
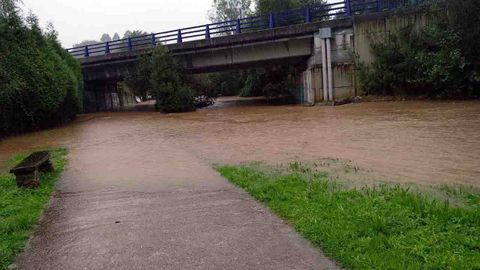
(329, 73)
(106, 95)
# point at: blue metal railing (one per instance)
(308, 14)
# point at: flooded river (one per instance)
(411, 141)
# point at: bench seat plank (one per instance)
(31, 163)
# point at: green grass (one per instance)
(383, 227)
(20, 209)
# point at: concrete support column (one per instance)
(327, 72)
(308, 90)
(329, 69)
(324, 71)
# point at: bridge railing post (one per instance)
(308, 18)
(348, 7)
(154, 42)
(129, 44)
(179, 36)
(207, 32)
(86, 53)
(107, 47)
(239, 27)
(271, 21)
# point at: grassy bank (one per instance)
(20, 209)
(385, 227)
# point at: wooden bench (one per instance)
(27, 172)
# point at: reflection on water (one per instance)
(427, 142)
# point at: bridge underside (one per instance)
(324, 60)
(294, 46)
(259, 54)
(291, 45)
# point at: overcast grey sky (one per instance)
(78, 20)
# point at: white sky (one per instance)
(78, 20)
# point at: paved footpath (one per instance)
(128, 202)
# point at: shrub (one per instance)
(227, 83)
(254, 83)
(435, 61)
(139, 80)
(40, 83)
(163, 75)
(202, 85)
(280, 84)
(174, 98)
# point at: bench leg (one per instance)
(28, 180)
(47, 167)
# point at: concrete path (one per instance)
(131, 199)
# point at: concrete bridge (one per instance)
(285, 45)
(316, 40)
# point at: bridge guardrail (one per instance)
(307, 14)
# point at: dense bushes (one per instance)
(139, 81)
(40, 83)
(168, 85)
(254, 82)
(438, 61)
(161, 76)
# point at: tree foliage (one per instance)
(268, 6)
(161, 76)
(227, 10)
(134, 33)
(84, 43)
(438, 61)
(139, 80)
(170, 90)
(105, 38)
(40, 83)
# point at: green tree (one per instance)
(227, 10)
(84, 43)
(268, 6)
(170, 91)
(160, 75)
(139, 39)
(105, 37)
(134, 33)
(139, 80)
(9, 9)
(40, 83)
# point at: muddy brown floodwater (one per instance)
(410, 141)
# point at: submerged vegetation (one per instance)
(381, 227)
(40, 83)
(21, 208)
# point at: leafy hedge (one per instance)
(40, 83)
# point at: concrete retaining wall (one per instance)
(357, 40)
